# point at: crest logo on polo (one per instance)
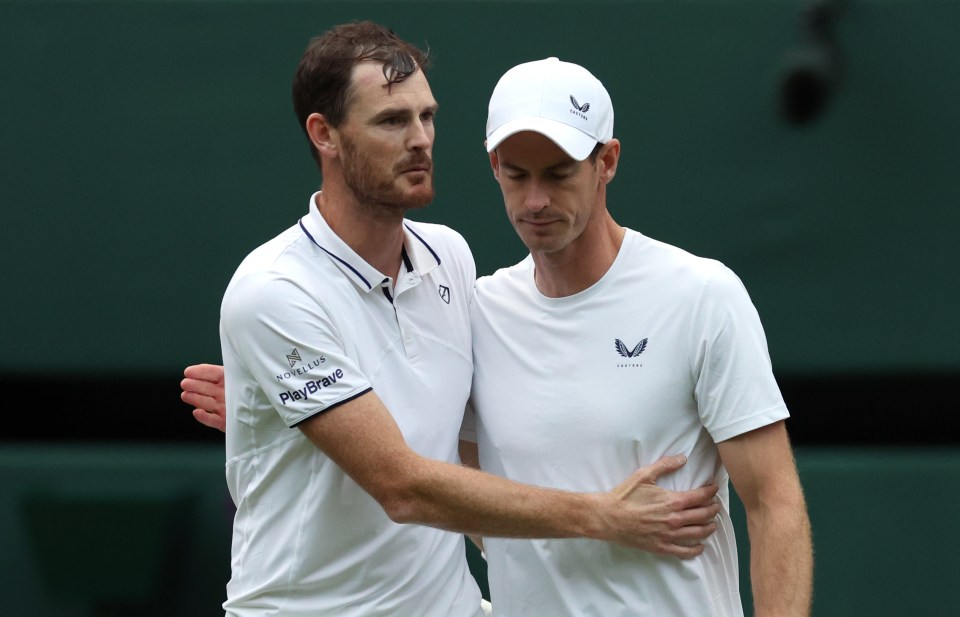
(626, 352)
(445, 293)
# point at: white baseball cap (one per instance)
(560, 100)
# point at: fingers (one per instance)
(691, 535)
(198, 399)
(680, 550)
(204, 372)
(649, 474)
(686, 542)
(665, 465)
(696, 498)
(201, 388)
(210, 419)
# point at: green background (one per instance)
(147, 145)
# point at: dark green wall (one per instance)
(146, 146)
(91, 531)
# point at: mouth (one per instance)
(538, 222)
(416, 167)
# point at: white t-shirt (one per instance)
(306, 325)
(664, 355)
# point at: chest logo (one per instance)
(445, 293)
(624, 351)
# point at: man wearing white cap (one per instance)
(346, 342)
(626, 349)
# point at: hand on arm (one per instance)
(203, 389)
(764, 474)
(638, 513)
(362, 438)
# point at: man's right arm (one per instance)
(363, 439)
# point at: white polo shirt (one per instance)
(664, 355)
(306, 325)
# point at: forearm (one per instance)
(362, 438)
(464, 500)
(781, 561)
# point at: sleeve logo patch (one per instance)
(305, 367)
(311, 387)
(293, 357)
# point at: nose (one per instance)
(537, 198)
(420, 137)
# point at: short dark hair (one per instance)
(322, 81)
(595, 152)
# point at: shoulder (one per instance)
(274, 274)
(506, 278)
(439, 237)
(677, 267)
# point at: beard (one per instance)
(375, 185)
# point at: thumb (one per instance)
(649, 473)
(663, 466)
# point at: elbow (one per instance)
(400, 506)
(406, 489)
(399, 496)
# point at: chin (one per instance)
(541, 242)
(420, 197)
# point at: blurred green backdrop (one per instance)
(147, 145)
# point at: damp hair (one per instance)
(322, 82)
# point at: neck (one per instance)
(583, 262)
(375, 234)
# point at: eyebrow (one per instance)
(402, 111)
(561, 166)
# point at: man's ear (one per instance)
(494, 163)
(323, 136)
(607, 159)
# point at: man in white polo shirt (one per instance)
(626, 349)
(347, 355)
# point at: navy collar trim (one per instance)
(352, 269)
(423, 242)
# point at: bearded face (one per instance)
(385, 176)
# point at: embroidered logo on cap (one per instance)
(584, 108)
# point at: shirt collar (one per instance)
(418, 256)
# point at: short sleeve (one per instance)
(288, 343)
(736, 390)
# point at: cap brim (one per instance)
(573, 141)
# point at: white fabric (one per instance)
(664, 355)
(561, 100)
(307, 325)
